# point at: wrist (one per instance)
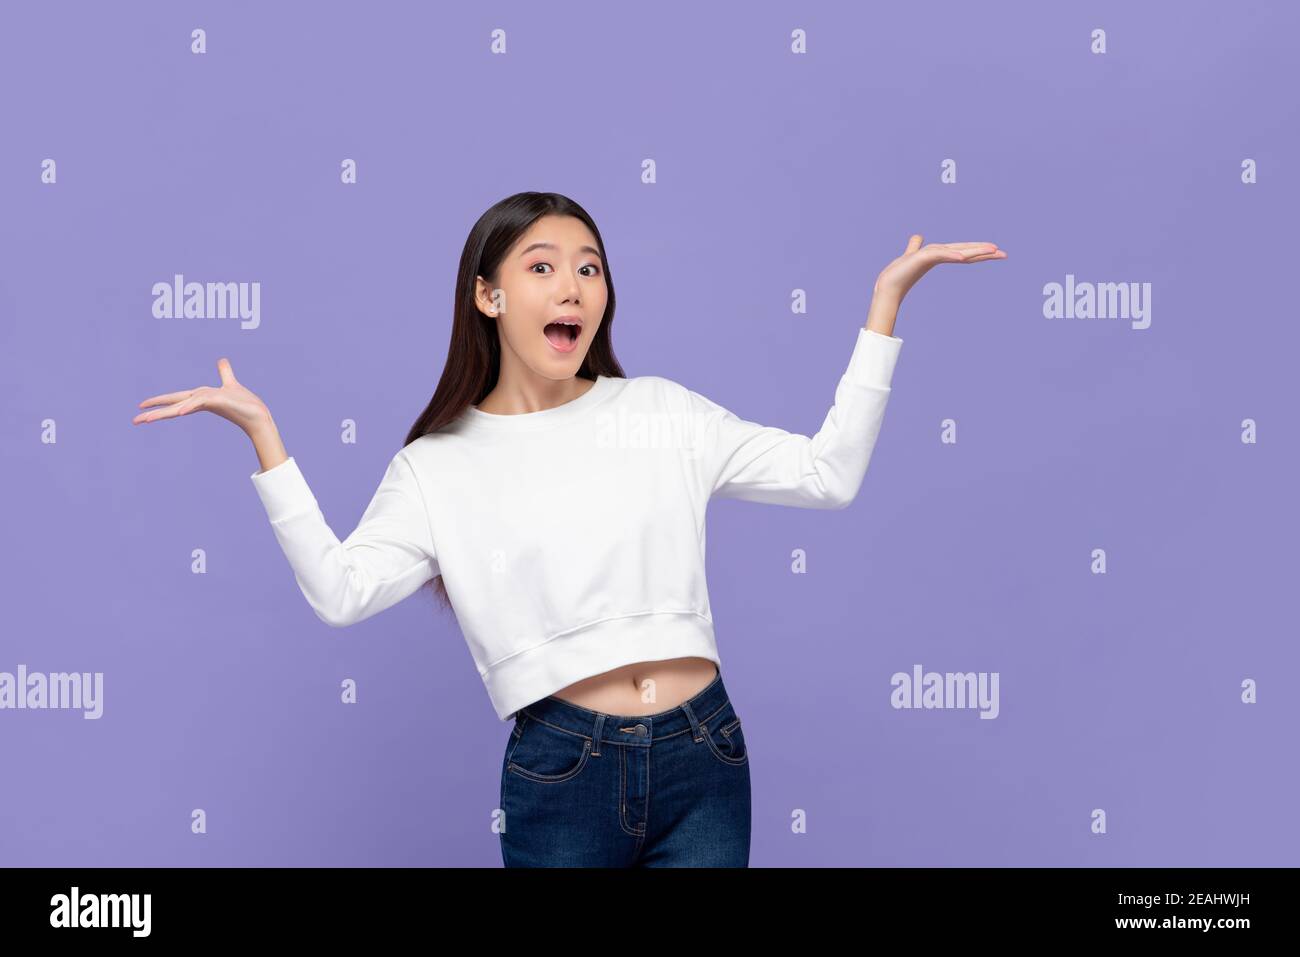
(886, 295)
(262, 427)
(882, 314)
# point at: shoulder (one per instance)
(429, 454)
(648, 382)
(662, 396)
(657, 390)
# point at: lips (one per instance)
(563, 333)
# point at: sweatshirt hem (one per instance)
(610, 643)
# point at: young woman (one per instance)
(558, 508)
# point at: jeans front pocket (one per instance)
(546, 754)
(725, 737)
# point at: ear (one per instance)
(483, 297)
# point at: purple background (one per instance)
(775, 171)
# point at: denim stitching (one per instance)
(645, 825)
(708, 739)
(557, 727)
(544, 778)
(518, 736)
(622, 793)
(665, 737)
(703, 722)
(556, 778)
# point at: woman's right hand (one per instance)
(231, 401)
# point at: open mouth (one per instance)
(562, 335)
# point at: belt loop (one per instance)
(597, 735)
(696, 734)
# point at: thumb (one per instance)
(227, 373)
(913, 244)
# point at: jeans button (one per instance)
(640, 729)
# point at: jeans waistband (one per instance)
(631, 729)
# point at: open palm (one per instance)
(900, 275)
(230, 401)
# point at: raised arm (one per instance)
(758, 463)
(387, 557)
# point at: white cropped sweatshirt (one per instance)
(571, 540)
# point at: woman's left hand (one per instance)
(899, 276)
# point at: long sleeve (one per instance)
(757, 463)
(387, 557)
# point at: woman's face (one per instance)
(552, 274)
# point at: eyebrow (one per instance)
(581, 249)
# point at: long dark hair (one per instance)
(474, 353)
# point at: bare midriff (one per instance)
(647, 687)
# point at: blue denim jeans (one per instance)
(581, 788)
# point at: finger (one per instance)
(986, 247)
(151, 416)
(227, 373)
(171, 412)
(167, 399)
(1000, 254)
(942, 253)
(913, 244)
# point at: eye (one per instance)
(588, 266)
